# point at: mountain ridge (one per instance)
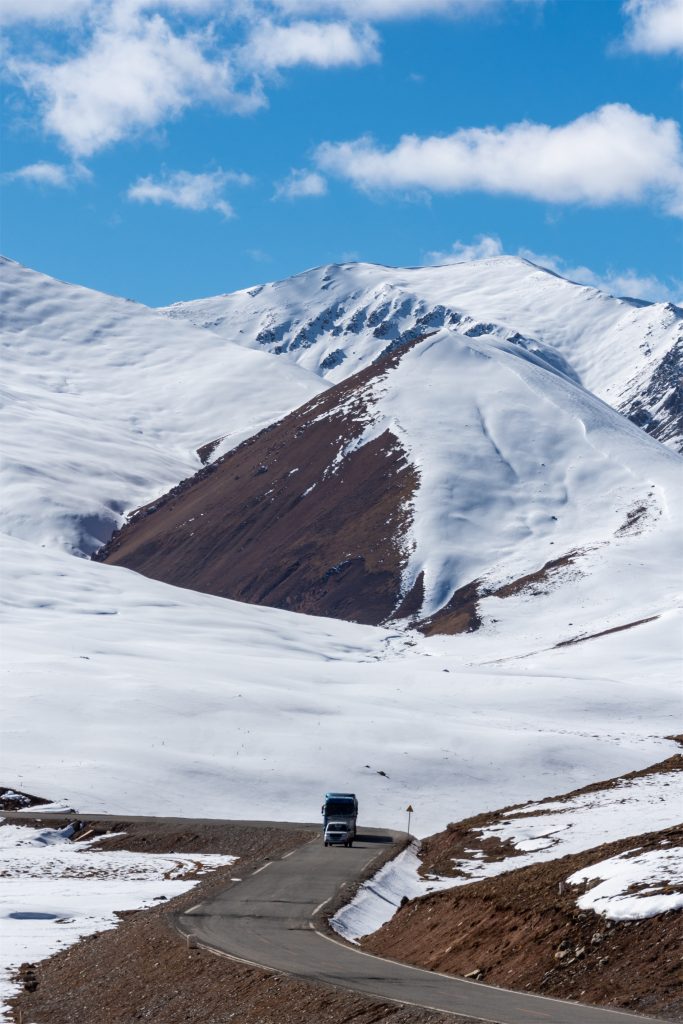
(337, 318)
(451, 477)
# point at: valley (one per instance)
(399, 532)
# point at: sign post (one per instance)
(409, 809)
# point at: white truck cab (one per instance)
(337, 833)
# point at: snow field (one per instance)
(104, 403)
(124, 694)
(54, 892)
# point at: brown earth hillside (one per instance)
(518, 931)
(523, 929)
(276, 522)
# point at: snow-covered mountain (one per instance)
(335, 319)
(123, 693)
(454, 483)
(104, 403)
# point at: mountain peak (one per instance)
(338, 318)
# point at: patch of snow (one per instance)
(551, 829)
(633, 886)
(55, 892)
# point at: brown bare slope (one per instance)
(508, 929)
(511, 929)
(276, 522)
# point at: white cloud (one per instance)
(322, 44)
(617, 282)
(386, 10)
(654, 26)
(627, 283)
(128, 66)
(130, 78)
(45, 173)
(188, 191)
(41, 173)
(613, 154)
(300, 184)
(15, 11)
(259, 255)
(483, 247)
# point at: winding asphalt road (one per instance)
(273, 919)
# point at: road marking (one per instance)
(288, 854)
(239, 959)
(377, 995)
(192, 909)
(320, 907)
(263, 867)
(297, 977)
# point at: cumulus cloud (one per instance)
(188, 191)
(45, 173)
(625, 282)
(132, 76)
(654, 26)
(300, 184)
(483, 247)
(125, 67)
(613, 154)
(617, 282)
(321, 44)
(41, 173)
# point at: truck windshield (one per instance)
(342, 807)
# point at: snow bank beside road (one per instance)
(378, 899)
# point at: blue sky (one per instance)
(168, 149)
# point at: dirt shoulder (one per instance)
(143, 971)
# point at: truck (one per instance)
(341, 809)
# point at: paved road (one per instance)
(269, 919)
(37, 814)
(272, 919)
